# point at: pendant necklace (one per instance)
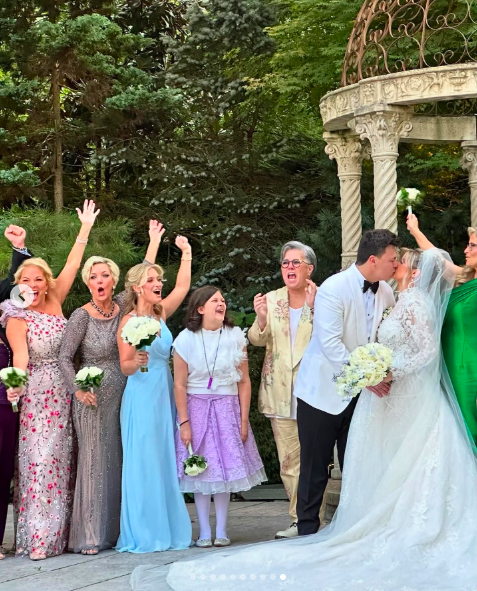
(211, 375)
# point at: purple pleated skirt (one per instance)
(232, 466)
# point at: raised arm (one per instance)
(422, 240)
(260, 331)
(65, 279)
(181, 289)
(156, 231)
(16, 236)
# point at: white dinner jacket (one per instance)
(339, 326)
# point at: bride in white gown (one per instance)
(407, 519)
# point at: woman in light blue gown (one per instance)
(154, 516)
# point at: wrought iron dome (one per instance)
(391, 36)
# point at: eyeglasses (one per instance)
(472, 245)
(295, 263)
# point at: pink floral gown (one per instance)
(43, 489)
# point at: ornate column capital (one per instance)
(384, 128)
(469, 163)
(469, 159)
(348, 151)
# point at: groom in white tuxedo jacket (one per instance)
(348, 310)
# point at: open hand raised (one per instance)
(89, 214)
(156, 230)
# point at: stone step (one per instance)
(276, 492)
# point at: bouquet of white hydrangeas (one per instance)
(368, 366)
(407, 198)
(13, 377)
(140, 332)
(194, 465)
(89, 378)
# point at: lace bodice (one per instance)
(410, 332)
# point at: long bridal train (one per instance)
(407, 519)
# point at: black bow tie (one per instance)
(372, 286)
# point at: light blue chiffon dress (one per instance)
(154, 516)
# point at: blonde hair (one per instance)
(137, 277)
(410, 257)
(92, 261)
(40, 264)
(467, 273)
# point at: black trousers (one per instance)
(9, 424)
(318, 432)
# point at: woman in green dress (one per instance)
(459, 332)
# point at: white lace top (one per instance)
(410, 332)
(230, 354)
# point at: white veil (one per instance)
(408, 511)
(436, 279)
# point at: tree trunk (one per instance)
(58, 149)
(98, 179)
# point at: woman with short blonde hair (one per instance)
(91, 336)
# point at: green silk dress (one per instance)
(459, 344)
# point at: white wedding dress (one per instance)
(407, 519)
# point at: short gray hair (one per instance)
(308, 252)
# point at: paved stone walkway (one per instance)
(251, 521)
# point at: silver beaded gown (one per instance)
(97, 498)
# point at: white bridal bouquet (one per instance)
(89, 378)
(368, 366)
(194, 465)
(406, 198)
(140, 332)
(12, 377)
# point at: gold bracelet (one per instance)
(183, 259)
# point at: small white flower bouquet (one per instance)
(13, 377)
(407, 198)
(194, 465)
(368, 366)
(89, 378)
(140, 332)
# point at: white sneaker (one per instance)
(290, 532)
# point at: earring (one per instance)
(46, 292)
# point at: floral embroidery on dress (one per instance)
(43, 487)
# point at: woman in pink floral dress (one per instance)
(43, 492)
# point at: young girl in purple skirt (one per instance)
(212, 391)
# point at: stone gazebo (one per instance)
(409, 75)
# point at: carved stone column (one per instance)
(384, 128)
(348, 151)
(469, 163)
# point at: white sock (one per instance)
(202, 505)
(221, 502)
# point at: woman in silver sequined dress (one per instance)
(91, 335)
